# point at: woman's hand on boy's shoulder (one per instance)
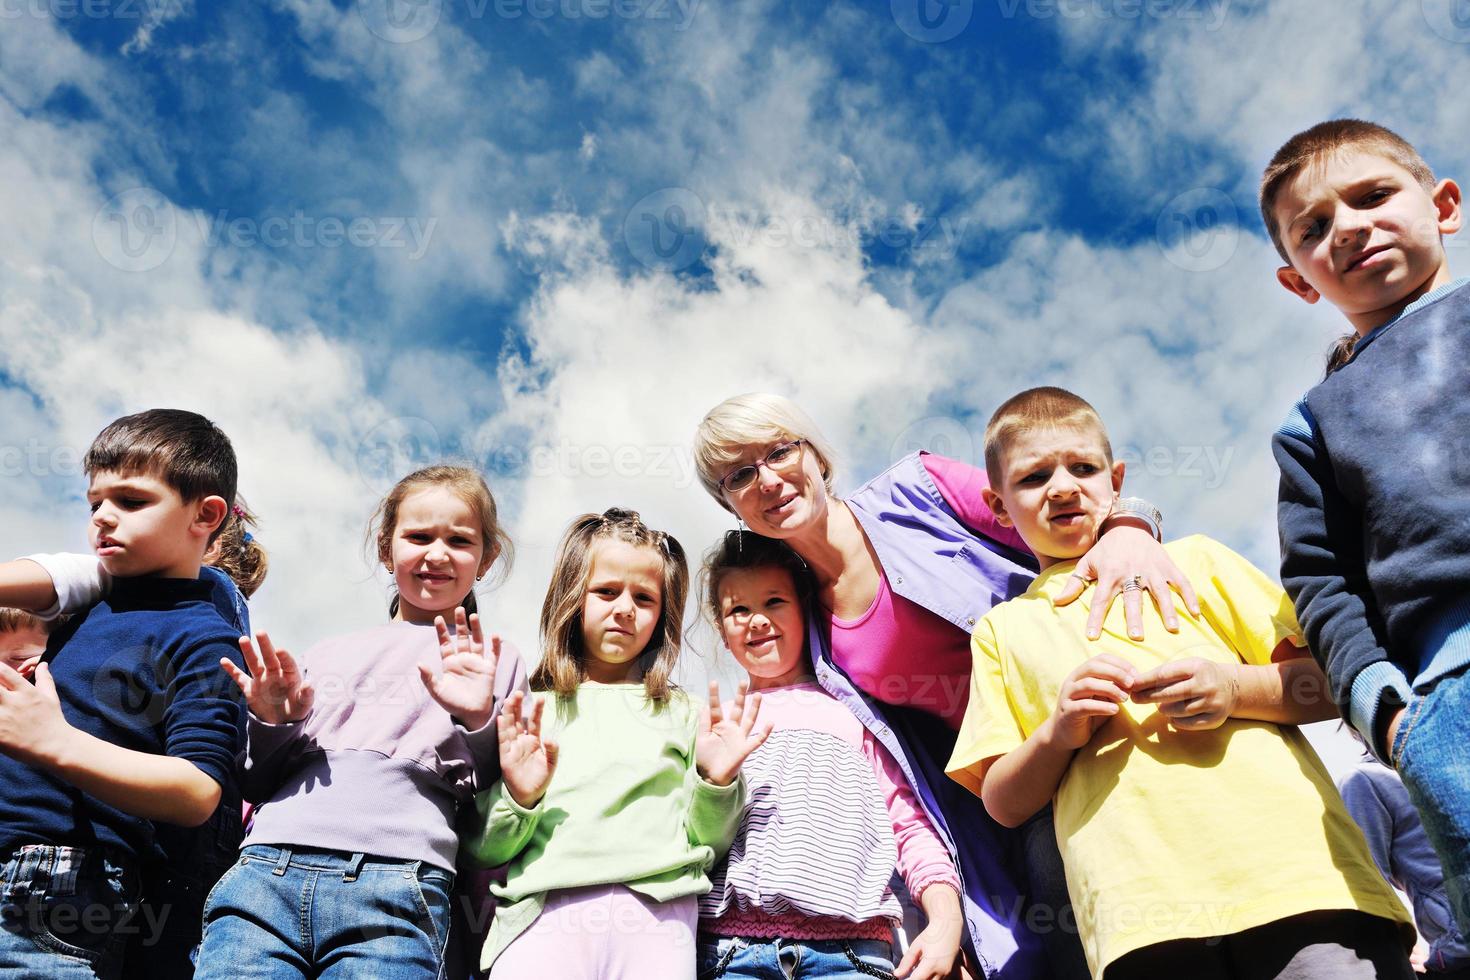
(1125, 555)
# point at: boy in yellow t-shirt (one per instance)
(1201, 834)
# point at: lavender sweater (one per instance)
(377, 767)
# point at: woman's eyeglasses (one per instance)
(780, 459)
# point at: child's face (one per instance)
(621, 607)
(761, 622)
(437, 553)
(1056, 490)
(1364, 235)
(18, 646)
(141, 526)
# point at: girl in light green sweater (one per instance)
(614, 803)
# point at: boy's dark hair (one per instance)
(742, 549)
(15, 620)
(183, 449)
(1321, 141)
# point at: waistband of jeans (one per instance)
(858, 946)
(323, 859)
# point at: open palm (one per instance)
(726, 738)
(527, 760)
(465, 683)
(275, 690)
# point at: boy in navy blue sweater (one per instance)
(1375, 488)
(128, 721)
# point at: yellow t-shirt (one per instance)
(1169, 834)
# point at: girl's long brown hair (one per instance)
(470, 487)
(562, 665)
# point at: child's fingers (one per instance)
(551, 749)
(1185, 708)
(477, 636)
(716, 712)
(494, 653)
(1091, 707)
(535, 727)
(462, 642)
(253, 661)
(271, 663)
(1169, 673)
(241, 679)
(749, 712)
(909, 961)
(1105, 690)
(441, 630)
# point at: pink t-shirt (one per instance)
(898, 651)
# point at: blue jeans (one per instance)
(1430, 752)
(740, 958)
(66, 912)
(292, 912)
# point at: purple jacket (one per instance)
(931, 558)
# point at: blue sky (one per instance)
(540, 233)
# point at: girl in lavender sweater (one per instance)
(360, 756)
(819, 785)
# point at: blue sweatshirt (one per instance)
(139, 670)
(1374, 510)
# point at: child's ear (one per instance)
(997, 507)
(1447, 203)
(1296, 284)
(211, 514)
(1118, 468)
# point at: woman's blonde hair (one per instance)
(464, 483)
(563, 658)
(237, 552)
(756, 419)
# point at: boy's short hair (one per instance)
(1038, 408)
(16, 620)
(1311, 146)
(183, 449)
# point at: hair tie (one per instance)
(249, 537)
(239, 512)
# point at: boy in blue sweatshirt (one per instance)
(129, 720)
(1375, 492)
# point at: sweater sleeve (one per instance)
(270, 751)
(1373, 816)
(508, 827)
(204, 712)
(1324, 572)
(923, 860)
(714, 811)
(960, 485)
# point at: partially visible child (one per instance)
(22, 640)
(820, 784)
(1373, 509)
(126, 728)
(1202, 836)
(618, 793)
(360, 756)
(1376, 798)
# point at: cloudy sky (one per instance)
(545, 236)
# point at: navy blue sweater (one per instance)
(140, 670)
(1374, 510)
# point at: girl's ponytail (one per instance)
(237, 552)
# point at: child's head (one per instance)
(438, 532)
(162, 482)
(237, 553)
(615, 608)
(22, 637)
(1051, 469)
(757, 589)
(1356, 214)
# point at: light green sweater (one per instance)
(625, 806)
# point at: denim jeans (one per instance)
(1432, 753)
(66, 912)
(740, 958)
(291, 912)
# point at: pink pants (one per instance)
(604, 933)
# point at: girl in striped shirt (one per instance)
(819, 785)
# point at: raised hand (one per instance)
(726, 740)
(465, 683)
(527, 760)
(275, 689)
(1090, 695)
(1195, 694)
